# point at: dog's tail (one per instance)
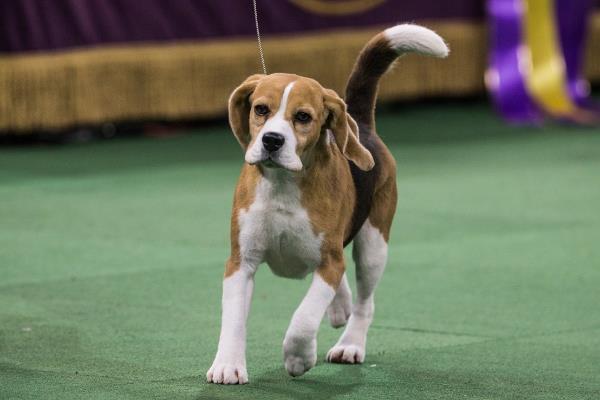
(375, 59)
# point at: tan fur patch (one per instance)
(385, 196)
(329, 198)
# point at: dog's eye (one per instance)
(302, 117)
(261, 109)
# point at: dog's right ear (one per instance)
(239, 109)
(345, 132)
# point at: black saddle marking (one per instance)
(364, 183)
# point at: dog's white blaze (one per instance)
(300, 343)
(370, 255)
(286, 156)
(276, 229)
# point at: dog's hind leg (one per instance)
(340, 308)
(370, 255)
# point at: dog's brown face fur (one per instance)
(297, 115)
(305, 111)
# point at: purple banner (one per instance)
(572, 23)
(504, 77)
(30, 25)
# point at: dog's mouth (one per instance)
(274, 163)
(269, 162)
(274, 160)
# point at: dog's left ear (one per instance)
(345, 132)
(239, 109)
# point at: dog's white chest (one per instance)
(276, 229)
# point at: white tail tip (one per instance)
(414, 38)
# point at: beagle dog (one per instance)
(316, 178)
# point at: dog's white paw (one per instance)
(346, 354)
(297, 366)
(299, 355)
(227, 373)
(339, 312)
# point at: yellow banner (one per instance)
(546, 76)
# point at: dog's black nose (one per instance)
(272, 141)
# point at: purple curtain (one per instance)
(30, 25)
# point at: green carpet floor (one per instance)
(111, 258)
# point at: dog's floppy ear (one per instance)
(345, 132)
(239, 109)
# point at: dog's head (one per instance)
(283, 120)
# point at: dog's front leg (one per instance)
(300, 343)
(229, 366)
